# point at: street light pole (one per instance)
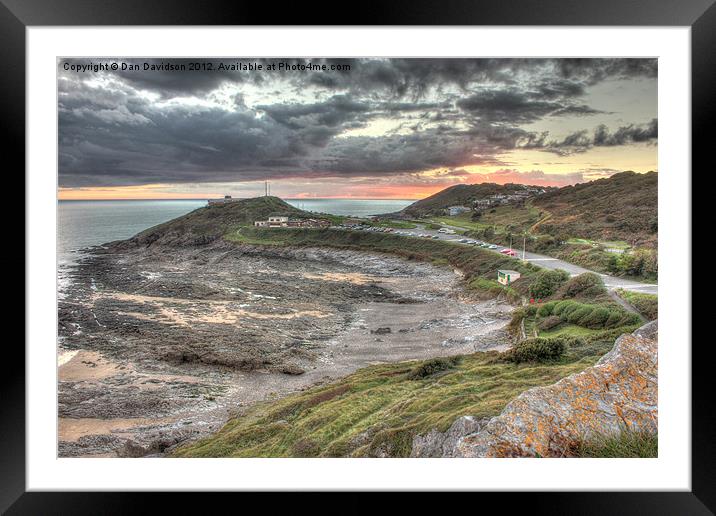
(524, 244)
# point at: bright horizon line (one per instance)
(255, 197)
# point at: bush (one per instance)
(585, 285)
(615, 316)
(431, 367)
(547, 282)
(569, 309)
(560, 307)
(550, 322)
(582, 312)
(546, 309)
(629, 319)
(536, 350)
(596, 318)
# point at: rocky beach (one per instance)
(162, 344)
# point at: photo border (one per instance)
(700, 15)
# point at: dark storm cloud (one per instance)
(517, 107)
(134, 127)
(581, 141)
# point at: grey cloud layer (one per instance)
(132, 128)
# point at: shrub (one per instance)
(584, 285)
(629, 319)
(530, 310)
(547, 282)
(431, 367)
(615, 316)
(536, 350)
(581, 312)
(550, 322)
(560, 307)
(596, 318)
(647, 304)
(569, 309)
(546, 309)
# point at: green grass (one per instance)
(646, 304)
(378, 409)
(502, 218)
(571, 330)
(627, 444)
(459, 221)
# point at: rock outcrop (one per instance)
(619, 391)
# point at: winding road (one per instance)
(548, 262)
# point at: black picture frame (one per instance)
(17, 15)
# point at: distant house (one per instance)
(226, 199)
(309, 223)
(507, 276)
(457, 210)
(280, 221)
(483, 203)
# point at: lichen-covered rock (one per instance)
(619, 391)
(439, 444)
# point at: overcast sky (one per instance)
(400, 128)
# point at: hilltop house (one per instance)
(279, 221)
(226, 199)
(506, 276)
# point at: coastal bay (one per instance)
(164, 345)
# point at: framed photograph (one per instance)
(426, 251)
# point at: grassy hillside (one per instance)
(590, 224)
(457, 195)
(622, 207)
(204, 225)
(377, 410)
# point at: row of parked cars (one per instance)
(365, 227)
(507, 252)
(477, 242)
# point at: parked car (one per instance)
(493, 246)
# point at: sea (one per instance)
(83, 224)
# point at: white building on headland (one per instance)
(226, 199)
(277, 221)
